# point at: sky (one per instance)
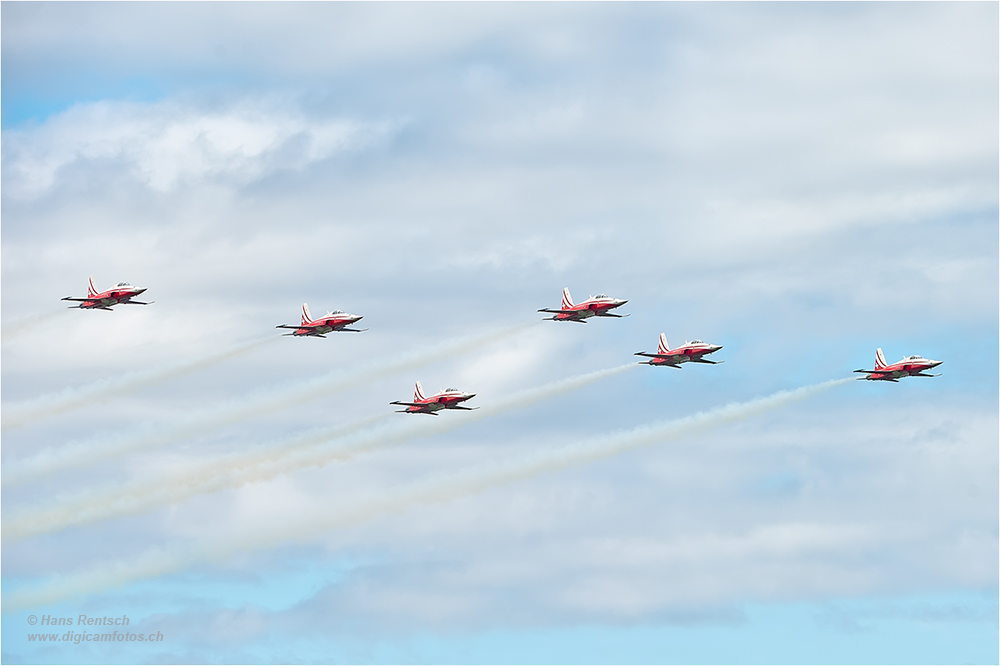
(801, 183)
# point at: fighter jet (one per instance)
(595, 306)
(446, 399)
(122, 293)
(689, 352)
(331, 321)
(911, 366)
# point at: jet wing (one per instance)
(469, 409)
(410, 404)
(572, 315)
(311, 332)
(566, 312)
(881, 376)
(95, 305)
(651, 355)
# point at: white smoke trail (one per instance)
(46, 406)
(88, 452)
(14, 329)
(311, 449)
(437, 489)
(228, 471)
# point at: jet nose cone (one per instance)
(139, 290)
(356, 318)
(935, 364)
(716, 348)
(469, 396)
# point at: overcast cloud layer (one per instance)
(801, 183)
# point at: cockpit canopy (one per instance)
(451, 388)
(914, 358)
(337, 312)
(123, 284)
(601, 296)
(697, 342)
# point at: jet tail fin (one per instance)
(91, 289)
(880, 359)
(418, 392)
(567, 301)
(306, 317)
(664, 347)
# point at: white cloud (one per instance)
(168, 143)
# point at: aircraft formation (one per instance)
(451, 398)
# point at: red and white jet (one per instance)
(595, 306)
(446, 399)
(337, 320)
(689, 352)
(122, 293)
(911, 366)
